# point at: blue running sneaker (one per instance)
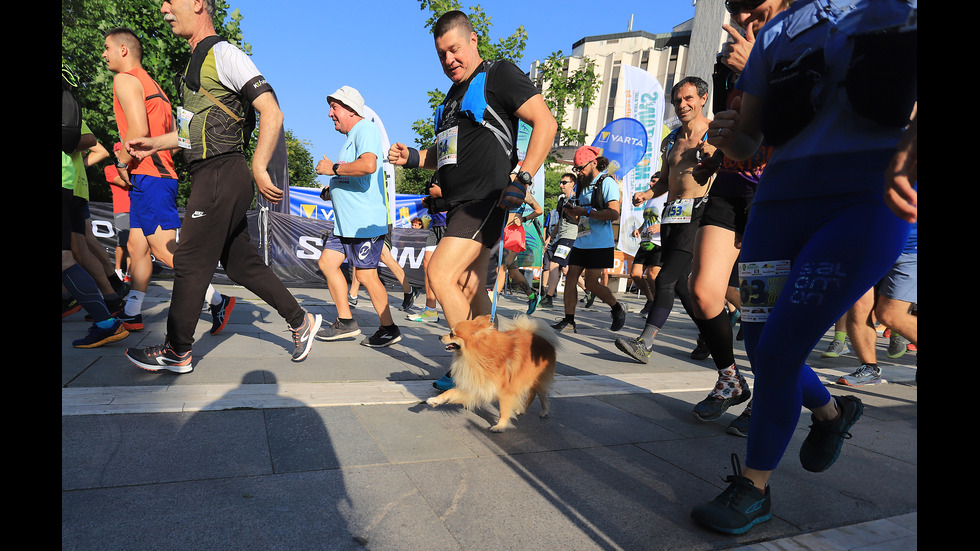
(740, 507)
(445, 382)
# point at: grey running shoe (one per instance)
(740, 425)
(634, 348)
(865, 375)
(822, 446)
(546, 302)
(303, 336)
(589, 299)
(835, 350)
(383, 337)
(351, 301)
(338, 330)
(715, 404)
(740, 507)
(897, 345)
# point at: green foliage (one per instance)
(577, 89)
(83, 27)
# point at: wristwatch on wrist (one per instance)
(524, 178)
(335, 166)
(120, 164)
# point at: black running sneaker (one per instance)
(822, 446)
(740, 425)
(303, 336)
(410, 298)
(715, 404)
(563, 324)
(740, 507)
(619, 317)
(220, 313)
(700, 351)
(160, 358)
(383, 337)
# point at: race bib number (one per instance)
(446, 146)
(184, 127)
(584, 226)
(678, 211)
(760, 284)
(561, 251)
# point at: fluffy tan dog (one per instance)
(512, 366)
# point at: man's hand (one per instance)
(901, 175)
(141, 148)
(734, 54)
(266, 187)
(325, 167)
(707, 166)
(722, 129)
(398, 154)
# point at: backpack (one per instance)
(598, 198)
(192, 79)
(475, 107)
(71, 118)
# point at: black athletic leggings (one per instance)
(671, 282)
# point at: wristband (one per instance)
(413, 158)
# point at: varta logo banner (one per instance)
(624, 143)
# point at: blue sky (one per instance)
(307, 49)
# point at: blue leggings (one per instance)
(839, 247)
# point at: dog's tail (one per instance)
(539, 327)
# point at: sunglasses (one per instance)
(581, 168)
(735, 8)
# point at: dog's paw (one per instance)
(544, 415)
(434, 401)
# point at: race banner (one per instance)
(644, 101)
(386, 167)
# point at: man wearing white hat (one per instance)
(357, 191)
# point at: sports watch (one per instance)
(524, 178)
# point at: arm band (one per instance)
(413, 158)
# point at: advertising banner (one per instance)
(644, 101)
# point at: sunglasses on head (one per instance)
(735, 8)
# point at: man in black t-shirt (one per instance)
(475, 162)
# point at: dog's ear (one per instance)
(483, 320)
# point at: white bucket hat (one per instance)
(349, 97)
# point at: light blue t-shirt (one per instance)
(592, 233)
(359, 201)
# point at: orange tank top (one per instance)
(160, 116)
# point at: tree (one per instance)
(83, 27)
(415, 180)
(577, 89)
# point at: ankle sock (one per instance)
(728, 384)
(134, 303)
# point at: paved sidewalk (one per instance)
(253, 451)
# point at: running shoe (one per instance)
(351, 301)
(159, 358)
(740, 507)
(303, 336)
(220, 313)
(835, 350)
(338, 330)
(618, 316)
(98, 336)
(564, 323)
(532, 303)
(715, 404)
(410, 298)
(69, 306)
(646, 308)
(546, 302)
(740, 425)
(383, 337)
(864, 375)
(427, 315)
(700, 351)
(444, 383)
(634, 348)
(589, 299)
(911, 347)
(735, 317)
(131, 323)
(897, 346)
(822, 446)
